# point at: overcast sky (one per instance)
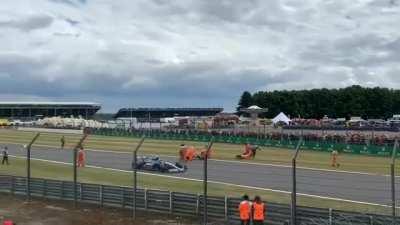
(192, 52)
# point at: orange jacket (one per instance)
(8, 222)
(258, 211)
(81, 155)
(244, 210)
(190, 153)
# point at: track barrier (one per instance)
(221, 210)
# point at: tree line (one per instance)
(369, 103)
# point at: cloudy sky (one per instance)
(192, 52)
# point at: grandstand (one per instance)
(157, 113)
(31, 110)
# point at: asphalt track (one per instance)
(349, 186)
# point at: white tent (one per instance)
(281, 117)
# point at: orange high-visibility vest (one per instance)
(244, 210)
(258, 213)
(8, 222)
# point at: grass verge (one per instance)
(109, 177)
(311, 159)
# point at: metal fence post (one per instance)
(135, 176)
(101, 196)
(62, 189)
(13, 185)
(80, 191)
(294, 183)
(75, 155)
(393, 181)
(170, 202)
(28, 167)
(44, 191)
(371, 220)
(205, 182)
(226, 208)
(198, 204)
(330, 216)
(145, 198)
(123, 198)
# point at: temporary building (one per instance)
(281, 117)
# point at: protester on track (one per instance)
(81, 158)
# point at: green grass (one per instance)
(311, 159)
(103, 176)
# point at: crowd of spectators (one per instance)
(341, 137)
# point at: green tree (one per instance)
(245, 101)
(369, 103)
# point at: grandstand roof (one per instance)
(166, 112)
(172, 109)
(47, 103)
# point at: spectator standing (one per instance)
(5, 156)
(334, 158)
(245, 211)
(258, 211)
(62, 140)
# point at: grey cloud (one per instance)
(70, 2)
(30, 23)
(71, 22)
(196, 53)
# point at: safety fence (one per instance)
(222, 210)
(327, 146)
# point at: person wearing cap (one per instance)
(245, 210)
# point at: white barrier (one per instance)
(49, 130)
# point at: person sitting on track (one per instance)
(203, 153)
(249, 152)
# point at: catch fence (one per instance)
(222, 210)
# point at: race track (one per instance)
(349, 186)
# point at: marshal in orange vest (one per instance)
(258, 212)
(244, 210)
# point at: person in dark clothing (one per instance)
(62, 142)
(5, 156)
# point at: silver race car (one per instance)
(158, 165)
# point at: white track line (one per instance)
(232, 161)
(216, 182)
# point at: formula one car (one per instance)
(156, 164)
